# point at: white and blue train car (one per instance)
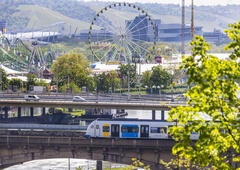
(131, 128)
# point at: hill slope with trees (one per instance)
(80, 14)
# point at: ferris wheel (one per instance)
(121, 32)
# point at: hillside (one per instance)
(44, 17)
(77, 15)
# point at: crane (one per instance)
(73, 35)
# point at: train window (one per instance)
(124, 129)
(158, 130)
(129, 129)
(106, 128)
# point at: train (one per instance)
(131, 128)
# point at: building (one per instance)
(216, 36)
(141, 28)
(173, 32)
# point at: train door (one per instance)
(144, 132)
(115, 130)
(105, 130)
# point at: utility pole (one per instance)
(57, 78)
(128, 81)
(1, 84)
(192, 21)
(183, 26)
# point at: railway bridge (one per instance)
(18, 149)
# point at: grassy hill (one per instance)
(43, 17)
(40, 16)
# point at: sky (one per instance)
(187, 2)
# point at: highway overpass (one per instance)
(139, 105)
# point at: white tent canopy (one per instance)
(10, 71)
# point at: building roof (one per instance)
(10, 71)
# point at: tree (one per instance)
(102, 83)
(124, 70)
(31, 78)
(213, 94)
(42, 82)
(4, 81)
(114, 80)
(146, 78)
(160, 76)
(72, 69)
(15, 82)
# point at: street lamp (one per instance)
(70, 64)
(57, 78)
(129, 81)
(1, 82)
(120, 76)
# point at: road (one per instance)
(95, 98)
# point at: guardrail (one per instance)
(49, 127)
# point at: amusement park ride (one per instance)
(24, 55)
(112, 36)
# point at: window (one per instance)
(106, 129)
(129, 129)
(159, 130)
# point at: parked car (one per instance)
(78, 99)
(31, 97)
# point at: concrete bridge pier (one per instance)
(19, 114)
(105, 153)
(153, 114)
(99, 165)
(31, 111)
(162, 115)
(6, 111)
(43, 111)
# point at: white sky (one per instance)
(187, 2)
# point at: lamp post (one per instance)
(1, 77)
(120, 76)
(69, 64)
(57, 77)
(169, 54)
(128, 81)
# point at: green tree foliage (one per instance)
(5, 81)
(214, 94)
(114, 80)
(137, 164)
(107, 81)
(73, 69)
(15, 82)
(181, 162)
(102, 83)
(146, 79)
(124, 70)
(160, 77)
(31, 78)
(41, 82)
